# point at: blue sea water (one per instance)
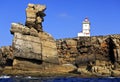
(60, 79)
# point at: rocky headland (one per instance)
(35, 52)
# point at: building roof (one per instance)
(86, 21)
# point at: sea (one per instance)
(56, 79)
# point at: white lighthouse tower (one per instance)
(85, 29)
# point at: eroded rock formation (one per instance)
(35, 52)
(30, 41)
(35, 14)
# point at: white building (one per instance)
(85, 29)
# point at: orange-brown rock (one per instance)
(36, 51)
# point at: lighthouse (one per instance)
(85, 28)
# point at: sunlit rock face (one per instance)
(34, 51)
(26, 46)
(30, 41)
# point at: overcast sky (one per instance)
(63, 17)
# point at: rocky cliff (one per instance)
(84, 49)
(35, 52)
(97, 54)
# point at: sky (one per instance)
(63, 17)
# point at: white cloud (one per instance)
(64, 15)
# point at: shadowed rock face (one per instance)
(98, 54)
(6, 56)
(89, 49)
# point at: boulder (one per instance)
(115, 73)
(65, 68)
(101, 70)
(82, 70)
